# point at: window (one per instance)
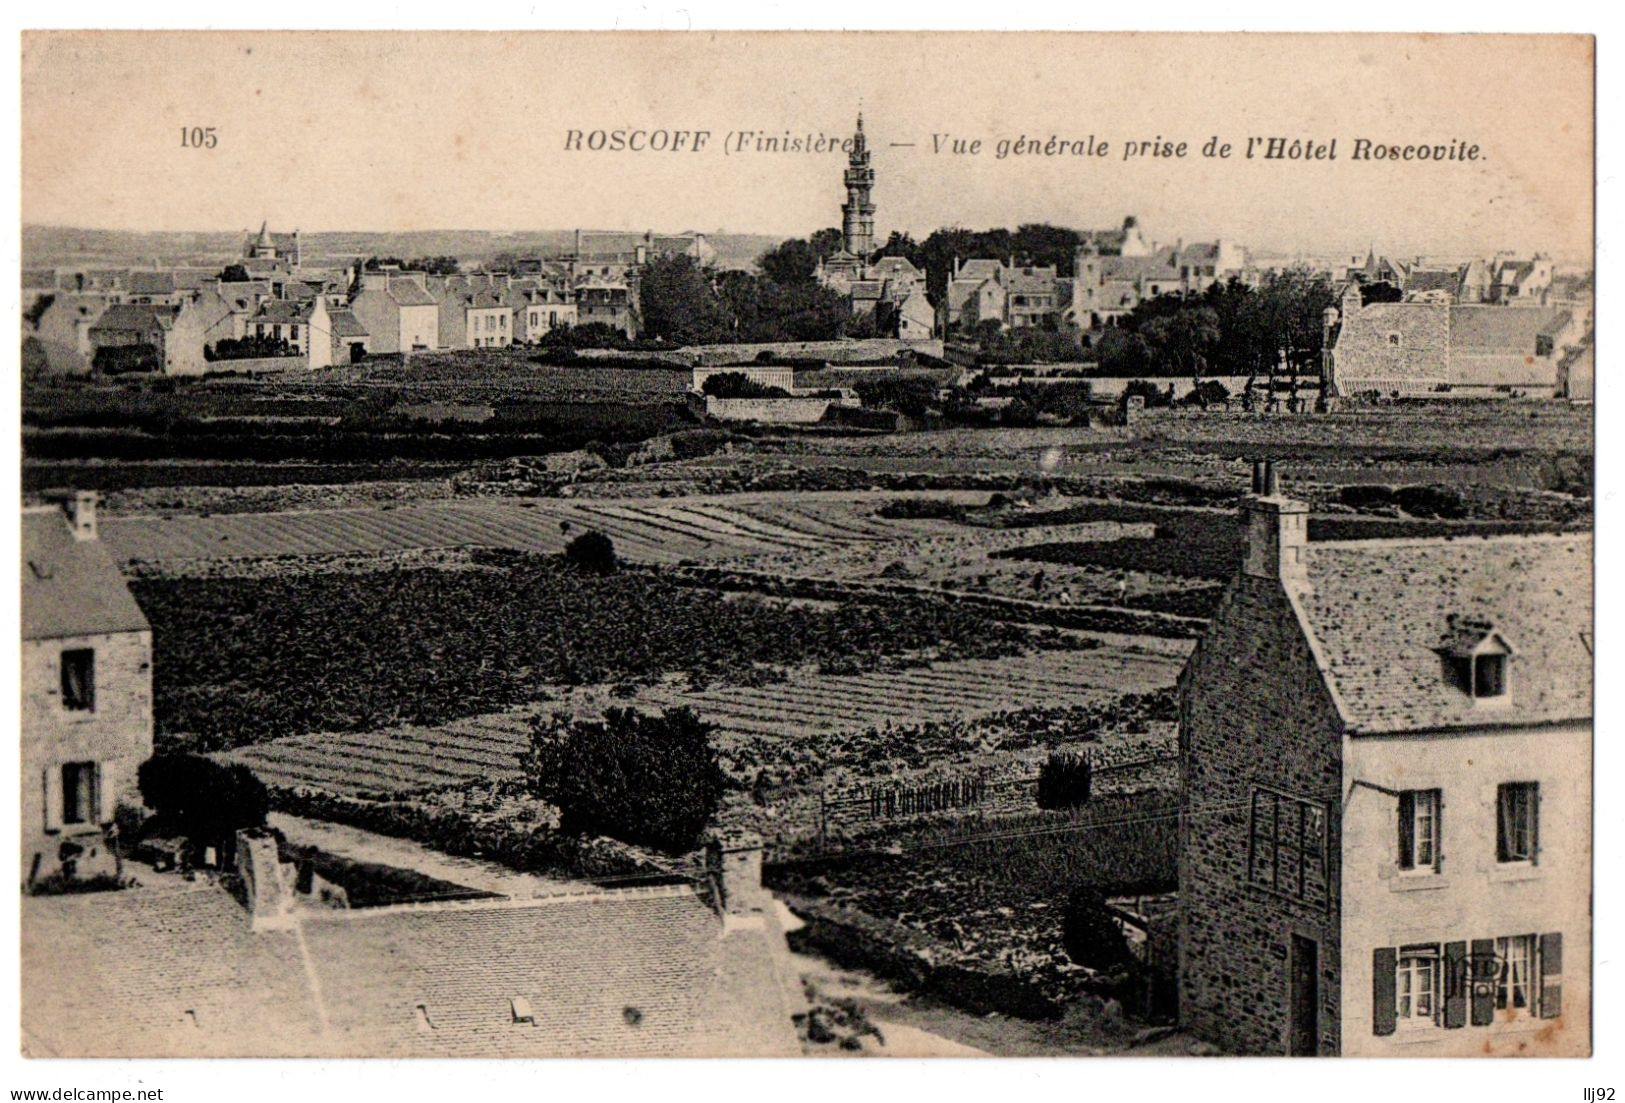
(78, 792)
(1419, 830)
(1517, 810)
(79, 679)
(1489, 675)
(1287, 846)
(1416, 985)
(1543, 346)
(1515, 992)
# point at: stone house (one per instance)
(86, 690)
(176, 334)
(61, 322)
(1385, 803)
(549, 307)
(397, 311)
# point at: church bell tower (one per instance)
(858, 212)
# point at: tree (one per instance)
(1380, 292)
(792, 261)
(206, 801)
(592, 552)
(234, 273)
(1123, 352)
(1089, 934)
(680, 302)
(1184, 339)
(646, 779)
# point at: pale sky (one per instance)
(374, 131)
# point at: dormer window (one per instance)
(1476, 658)
(1489, 675)
(1393, 340)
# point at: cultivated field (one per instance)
(793, 719)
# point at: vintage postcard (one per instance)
(792, 544)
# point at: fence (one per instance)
(853, 808)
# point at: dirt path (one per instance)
(366, 846)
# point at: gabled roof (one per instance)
(134, 316)
(1433, 279)
(1503, 328)
(142, 282)
(893, 268)
(342, 322)
(643, 972)
(1379, 611)
(283, 311)
(70, 587)
(408, 293)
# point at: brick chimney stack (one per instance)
(1275, 527)
(80, 507)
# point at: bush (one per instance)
(733, 384)
(593, 552)
(1090, 935)
(645, 779)
(1064, 780)
(206, 801)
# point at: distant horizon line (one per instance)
(1273, 250)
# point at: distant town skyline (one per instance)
(369, 132)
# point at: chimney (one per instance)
(80, 507)
(733, 864)
(259, 864)
(1275, 529)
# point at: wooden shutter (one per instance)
(1438, 830)
(1551, 975)
(105, 797)
(53, 798)
(1383, 1011)
(1483, 995)
(1534, 824)
(1456, 984)
(1407, 830)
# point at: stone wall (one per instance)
(774, 411)
(1254, 712)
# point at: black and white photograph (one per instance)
(806, 545)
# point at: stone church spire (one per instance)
(858, 212)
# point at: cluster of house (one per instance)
(1114, 271)
(269, 304)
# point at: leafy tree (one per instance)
(206, 801)
(1122, 351)
(792, 261)
(681, 304)
(592, 552)
(1090, 936)
(1380, 292)
(646, 779)
(1184, 339)
(234, 273)
(828, 241)
(1065, 780)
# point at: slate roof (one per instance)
(1382, 610)
(1433, 279)
(892, 268)
(283, 311)
(344, 323)
(1511, 329)
(150, 283)
(642, 972)
(133, 316)
(70, 587)
(978, 269)
(408, 293)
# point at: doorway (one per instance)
(1305, 998)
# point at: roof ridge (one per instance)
(594, 894)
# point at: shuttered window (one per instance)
(1517, 822)
(1484, 981)
(1419, 830)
